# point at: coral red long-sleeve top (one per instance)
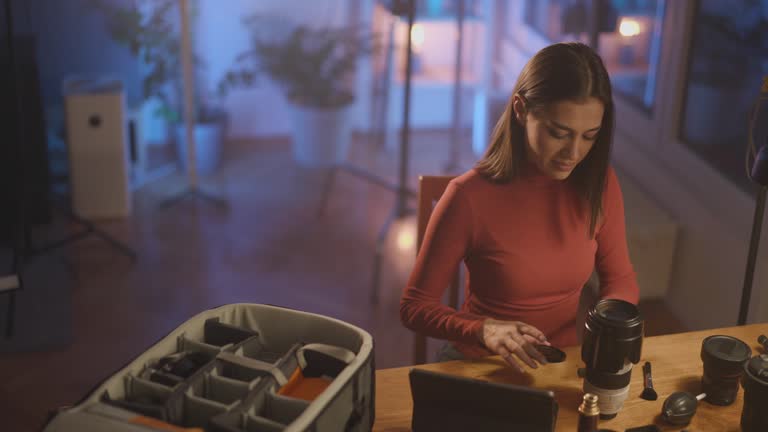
(528, 255)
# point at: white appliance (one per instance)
(98, 148)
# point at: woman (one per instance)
(531, 221)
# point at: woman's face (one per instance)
(559, 137)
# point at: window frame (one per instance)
(702, 178)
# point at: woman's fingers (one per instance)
(530, 349)
(530, 339)
(517, 349)
(533, 331)
(509, 358)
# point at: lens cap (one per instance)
(552, 354)
(725, 352)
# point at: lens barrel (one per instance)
(612, 343)
(723, 358)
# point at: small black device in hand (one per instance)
(552, 354)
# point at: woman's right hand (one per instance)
(511, 339)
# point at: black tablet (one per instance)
(443, 402)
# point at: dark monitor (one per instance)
(24, 175)
(447, 403)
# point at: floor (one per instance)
(269, 245)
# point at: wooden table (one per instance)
(676, 366)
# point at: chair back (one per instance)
(431, 188)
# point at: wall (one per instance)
(72, 41)
(221, 36)
(705, 290)
(263, 111)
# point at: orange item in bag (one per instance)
(161, 425)
(301, 387)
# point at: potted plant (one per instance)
(313, 67)
(149, 29)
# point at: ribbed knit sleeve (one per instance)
(446, 242)
(617, 276)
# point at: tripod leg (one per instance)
(91, 229)
(63, 242)
(173, 200)
(378, 256)
(11, 315)
(329, 182)
(121, 247)
(212, 198)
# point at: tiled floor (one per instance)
(269, 246)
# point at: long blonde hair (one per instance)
(559, 72)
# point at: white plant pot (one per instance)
(321, 137)
(208, 141)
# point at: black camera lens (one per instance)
(723, 358)
(754, 416)
(612, 343)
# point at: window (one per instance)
(729, 56)
(629, 37)
(631, 48)
(447, 9)
(562, 20)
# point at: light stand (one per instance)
(453, 165)
(380, 116)
(192, 191)
(760, 176)
(9, 284)
(400, 189)
(401, 209)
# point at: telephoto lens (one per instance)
(612, 344)
(724, 358)
(754, 416)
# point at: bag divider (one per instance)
(252, 367)
(198, 411)
(186, 344)
(220, 334)
(140, 388)
(262, 424)
(282, 409)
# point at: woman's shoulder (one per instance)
(470, 180)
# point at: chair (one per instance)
(431, 188)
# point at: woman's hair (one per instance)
(568, 71)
